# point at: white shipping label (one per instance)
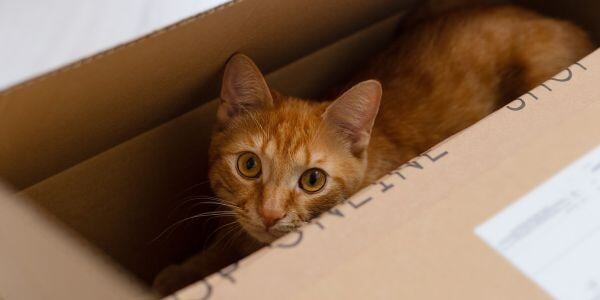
(552, 234)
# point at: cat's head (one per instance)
(281, 161)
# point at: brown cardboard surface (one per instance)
(409, 235)
(416, 239)
(122, 199)
(38, 261)
(102, 101)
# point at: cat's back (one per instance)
(477, 39)
(447, 72)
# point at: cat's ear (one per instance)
(243, 89)
(354, 112)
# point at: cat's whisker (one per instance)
(212, 217)
(207, 197)
(218, 229)
(225, 238)
(187, 200)
(217, 216)
(230, 208)
(215, 201)
(236, 233)
(178, 206)
(222, 203)
(202, 215)
(204, 197)
(193, 186)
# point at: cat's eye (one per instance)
(313, 180)
(248, 164)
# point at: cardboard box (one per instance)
(96, 155)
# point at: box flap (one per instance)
(40, 261)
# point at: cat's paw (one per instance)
(172, 279)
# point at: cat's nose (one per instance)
(270, 216)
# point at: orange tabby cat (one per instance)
(278, 161)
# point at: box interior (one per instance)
(123, 184)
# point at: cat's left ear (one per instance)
(354, 112)
(243, 89)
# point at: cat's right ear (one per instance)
(354, 113)
(243, 89)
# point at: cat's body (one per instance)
(456, 69)
(438, 78)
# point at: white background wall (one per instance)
(37, 36)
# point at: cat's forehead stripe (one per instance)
(280, 136)
(306, 156)
(263, 144)
(250, 140)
